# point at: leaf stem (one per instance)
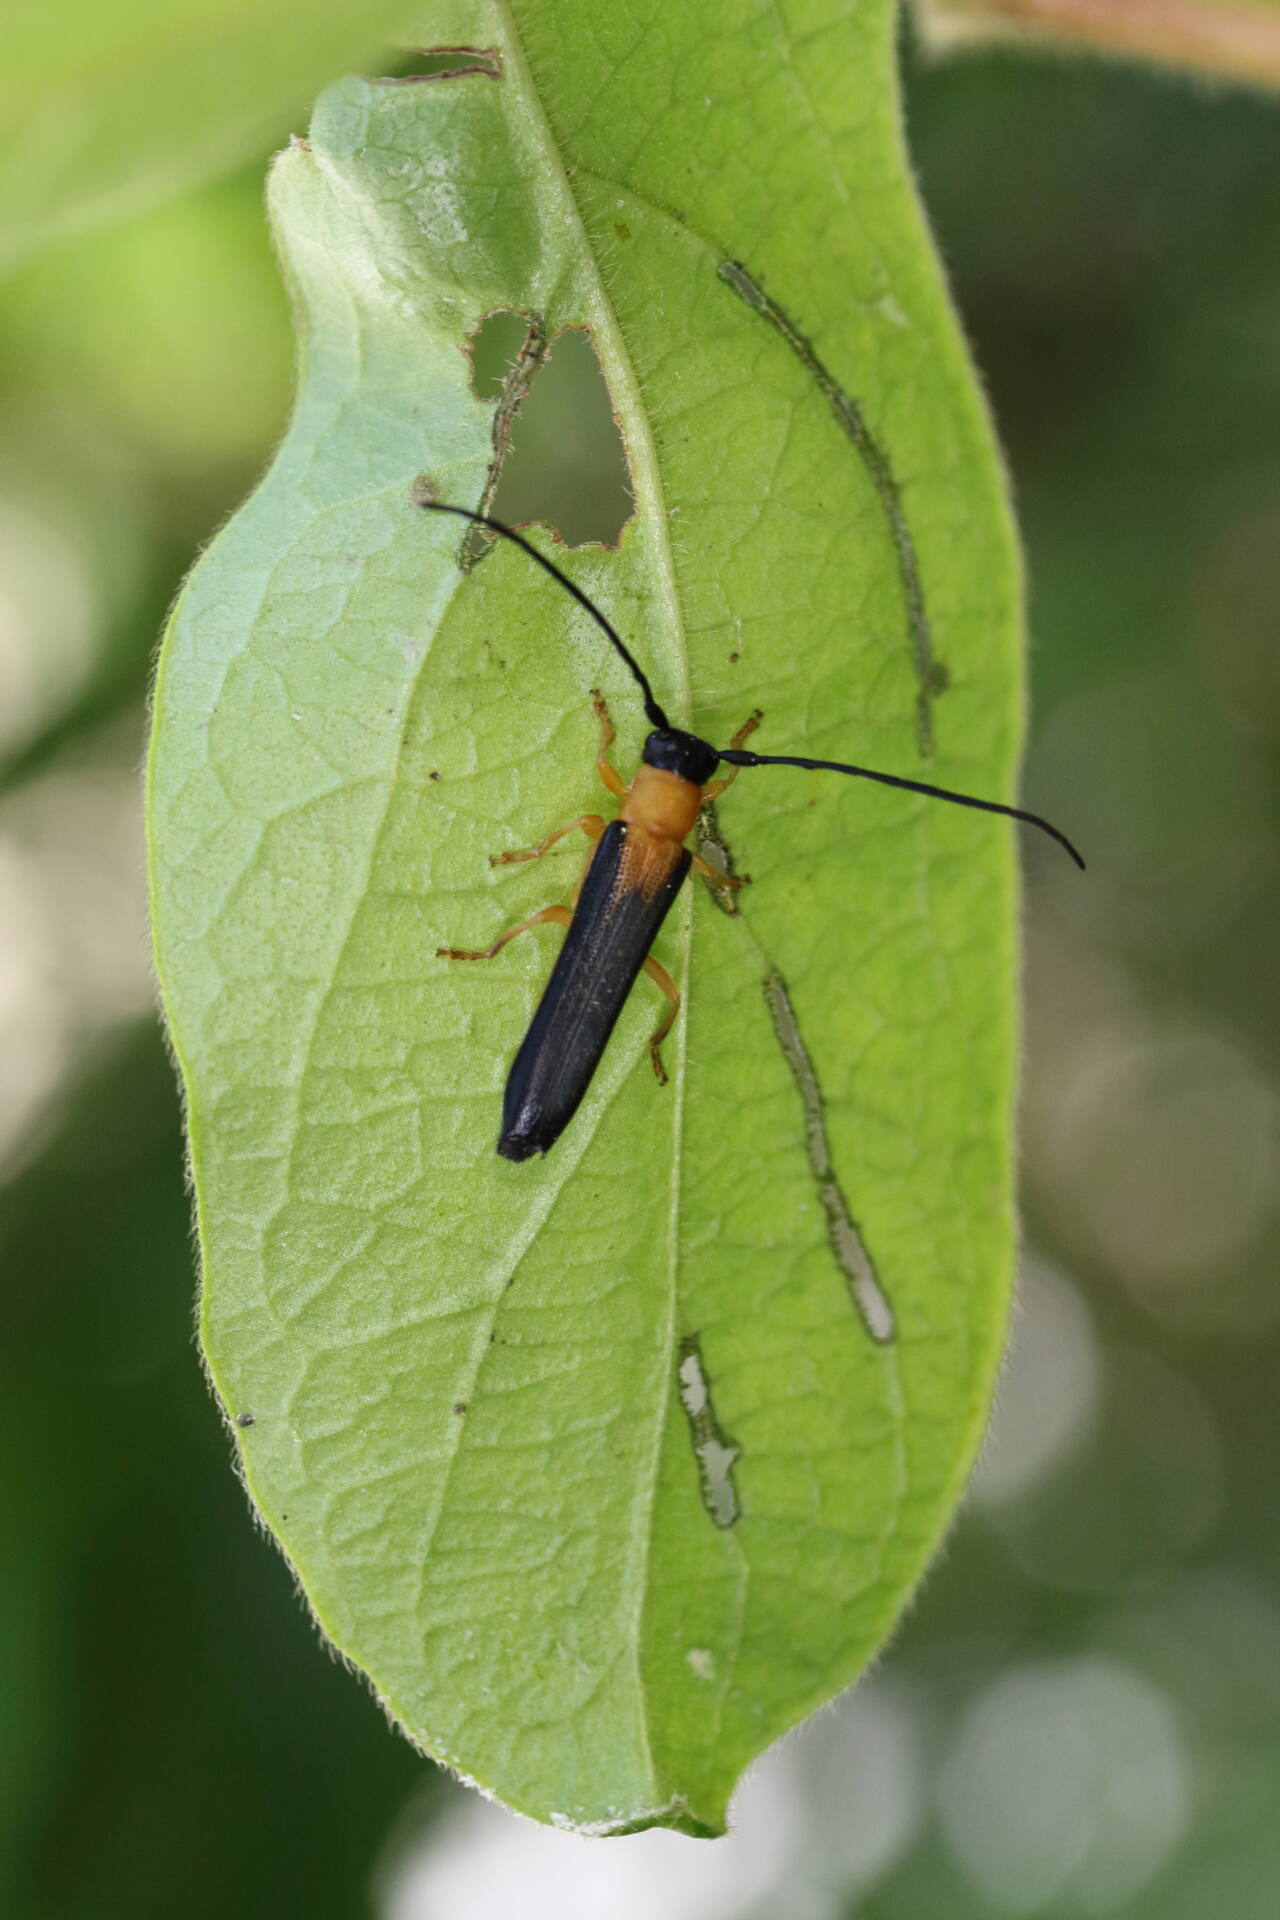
(1237, 38)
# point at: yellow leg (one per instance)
(590, 823)
(744, 732)
(560, 915)
(659, 975)
(610, 776)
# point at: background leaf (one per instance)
(460, 1381)
(106, 108)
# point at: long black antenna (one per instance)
(741, 757)
(653, 712)
(738, 756)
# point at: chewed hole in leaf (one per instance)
(714, 1451)
(559, 458)
(444, 63)
(496, 348)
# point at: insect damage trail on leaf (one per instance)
(710, 831)
(477, 541)
(847, 1243)
(716, 1454)
(931, 675)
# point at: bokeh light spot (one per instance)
(1065, 1784)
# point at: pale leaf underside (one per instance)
(606, 1468)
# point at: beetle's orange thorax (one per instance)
(659, 809)
(662, 804)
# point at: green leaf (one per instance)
(602, 1467)
(105, 108)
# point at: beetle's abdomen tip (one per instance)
(519, 1146)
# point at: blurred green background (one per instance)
(1082, 1714)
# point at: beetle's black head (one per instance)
(681, 753)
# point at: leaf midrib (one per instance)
(648, 491)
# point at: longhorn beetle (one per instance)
(627, 887)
